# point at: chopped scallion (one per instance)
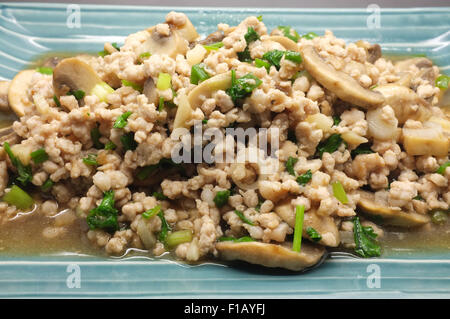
(178, 237)
(339, 192)
(18, 197)
(39, 156)
(298, 229)
(164, 81)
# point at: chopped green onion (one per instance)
(145, 172)
(243, 239)
(213, 46)
(179, 237)
(221, 198)
(151, 212)
(57, 102)
(18, 197)
(110, 146)
(442, 168)
(373, 87)
(25, 173)
(310, 35)
(165, 227)
(261, 63)
(39, 156)
(115, 46)
(339, 192)
(243, 218)
(144, 55)
(290, 165)
(251, 35)
(159, 196)
(198, 74)
(293, 56)
(442, 81)
(418, 197)
(304, 178)
(439, 217)
(91, 159)
(362, 149)
(260, 18)
(103, 53)
(128, 141)
(205, 121)
(298, 229)
(274, 57)
(45, 70)
(48, 184)
(161, 104)
(336, 120)
(330, 145)
(242, 87)
(102, 90)
(313, 234)
(95, 136)
(121, 121)
(164, 81)
(79, 94)
(245, 56)
(133, 85)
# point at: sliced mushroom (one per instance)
(379, 127)
(52, 62)
(373, 50)
(405, 102)
(428, 141)
(340, 83)
(419, 62)
(149, 90)
(392, 216)
(18, 92)
(287, 43)
(324, 225)
(186, 31)
(184, 112)
(271, 255)
(4, 104)
(205, 89)
(156, 43)
(7, 134)
(214, 37)
(73, 74)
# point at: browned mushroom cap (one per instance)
(7, 134)
(73, 74)
(324, 225)
(172, 45)
(4, 104)
(287, 43)
(18, 92)
(419, 62)
(214, 37)
(340, 83)
(271, 255)
(149, 90)
(393, 216)
(373, 50)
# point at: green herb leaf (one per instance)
(274, 57)
(159, 196)
(336, 120)
(221, 198)
(310, 35)
(293, 56)
(79, 94)
(365, 240)
(144, 55)
(290, 163)
(128, 142)
(39, 156)
(304, 178)
(242, 87)
(56, 100)
(91, 159)
(115, 46)
(24, 173)
(198, 73)
(261, 63)
(298, 229)
(121, 121)
(213, 46)
(313, 234)
(330, 145)
(260, 18)
(95, 136)
(362, 149)
(48, 184)
(245, 56)
(251, 35)
(243, 218)
(165, 227)
(45, 70)
(442, 168)
(105, 215)
(110, 146)
(290, 33)
(161, 104)
(442, 81)
(103, 53)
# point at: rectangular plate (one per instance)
(29, 30)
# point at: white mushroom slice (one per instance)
(171, 45)
(324, 225)
(73, 74)
(186, 31)
(393, 216)
(184, 112)
(340, 83)
(23, 152)
(419, 62)
(379, 127)
(18, 92)
(4, 104)
(287, 43)
(7, 134)
(323, 122)
(406, 103)
(425, 141)
(149, 90)
(441, 121)
(206, 88)
(353, 139)
(145, 234)
(271, 255)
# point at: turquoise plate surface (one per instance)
(28, 30)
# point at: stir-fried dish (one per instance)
(358, 143)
